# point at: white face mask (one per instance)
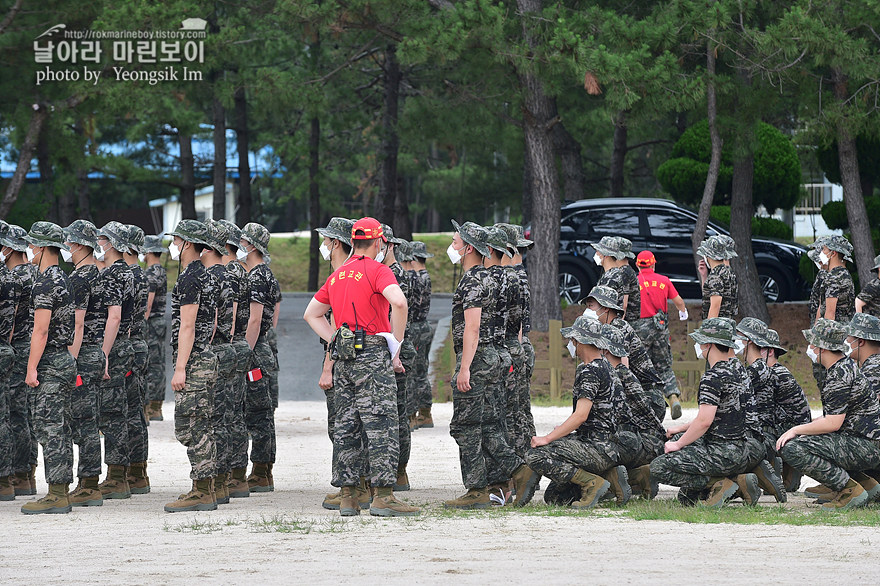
(597, 258)
(812, 355)
(739, 346)
(174, 251)
(453, 254)
(325, 252)
(142, 257)
(3, 257)
(241, 254)
(99, 253)
(381, 256)
(591, 313)
(849, 348)
(66, 255)
(571, 348)
(823, 258)
(29, 253)
(698, 350)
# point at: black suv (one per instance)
(665, 229)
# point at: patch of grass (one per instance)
(200, 527)
(280, 524)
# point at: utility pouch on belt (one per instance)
(661, 319)
(342, 346)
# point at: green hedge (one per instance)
(761, 226)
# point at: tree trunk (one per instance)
(314, 201)
(187, 178)
(47, 182)
(570, 161)
(853, 198)
(219, 119)
(526, 184)
(402, 221)
(390, 140)
(83, 195)
(543, 264)
(715, 158)
(245, 201)
(24, 159)
(751, 297)
(618, 154)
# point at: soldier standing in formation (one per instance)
(719, 281)
(157, 327)
(612, 253)
(422, 336)
(868, 300)
(10, 291)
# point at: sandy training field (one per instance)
(286, 536)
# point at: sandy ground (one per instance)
(287, 537)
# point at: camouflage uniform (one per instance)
(654, 334)
(157, 326)
(10, 291)
(423, 335)
(792, 407)
(870, 295)
(260, 418)
(641, 366)
(505, 407)
(138, 438)
(625, 281)
(721, 282)
(526, 423)
(25, 454)
(407, 355)
(516, 433)
(640, 434)
(194, 406)
(238, 433)
(224, 387)
(839, 285)
(817, 295)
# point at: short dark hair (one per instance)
(360, 244)
(199, 246)
(346, 248)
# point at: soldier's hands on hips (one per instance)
(178, 381)
(31, 378)
(463, 380)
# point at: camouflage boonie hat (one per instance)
(82, 232)
(774, 342)
(616, 246)
(337, 229)
(827, 334)
(729, 245)
(516, 235)
(256, 234)
(403, 251)
(419, 250)
(474, 235)
(606, 296)
(813, 255)
(193, 231)
(753, 330)
(715, 330)
(14, 238)
(135, 237)
(614, 341)
(389, 235)
(496, 238)
(876, 263)
(116, 234)
(864, 326)
(819, 243)
(154, 245)
(840, 244)
(510, 232)
(715, 248)
(586, 331)
(46, 234)
(234, 233)
(219, 234)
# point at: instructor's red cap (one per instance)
(645, 259)
(367, 229)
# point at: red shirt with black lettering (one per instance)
(656, 291)
(354, 292)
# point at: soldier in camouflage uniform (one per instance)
(423, 335)
(612, 253)
(87, 293)
(475, 423)
(713, 446)
(864, 340)
(24, 459)
(51, 370)
(119, 296)
(837, 300)
(195, 365)
(817, 292)
(260, 411)
(847, 436)
(222, 389)
(138, 436)
(157, 326)
(10, 291)
(868, 300)
(720, 289)
(237, 485)
(366, 347)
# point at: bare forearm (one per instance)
(111, 330)
(38, 346)
(185, 339)
(470, 340)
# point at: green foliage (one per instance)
(834, 213)
(761, 225)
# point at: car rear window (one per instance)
(615, 223)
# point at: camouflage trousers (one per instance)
(222, 389)
(138, 436)
(238, 433)
(827, 457)
(113, 401)
(517, 414)
(365, 394)
(637, 447)
(193, 410)
(404, 433)
(25, 443)
(50, 407)
(525, 421)
(7, 443)
(418, 385)
(260, 410)
(655, 337)
(498, 399)
(157, 346)
(692, 466)
(84, 410)
(475, 424)
(560, 459)
(272, 340)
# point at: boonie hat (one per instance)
(715, 330)
(864, 326)
(14, 238)
(258, 235)
(585, 330)
(389, 235)
(616, 246)
(193, 231)
(153, 244)
(337, 229)
(46, 234)
(496, 238)
(234, 233)
(403, 251)
(827, 334)
(82, 232)
(614, 341)
(474, 235)
(606, 296)
(135, 237)
(420, 250)
(115, 232)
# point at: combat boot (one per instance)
(258, 481)
(642, 484)
(674, 406)
(385, 504)
(201, 498)
(332, 500)
(221, 493)
(791, 478)
(720, 491)
(7, 491)
(851, 496)
(348, 503)
(819, 491)
(156, 411)
(619, 480)
(561, 493)
(402, 482)
(115, 486)
(138, 481)
(54, 502)
(21, 485)
(271, 477)
(237, 485)
(748, 488)
(869, 483)
(423, 418)
(474, 498)
(86, 493)
(525, 483)
(770, 482)
(592, 489)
